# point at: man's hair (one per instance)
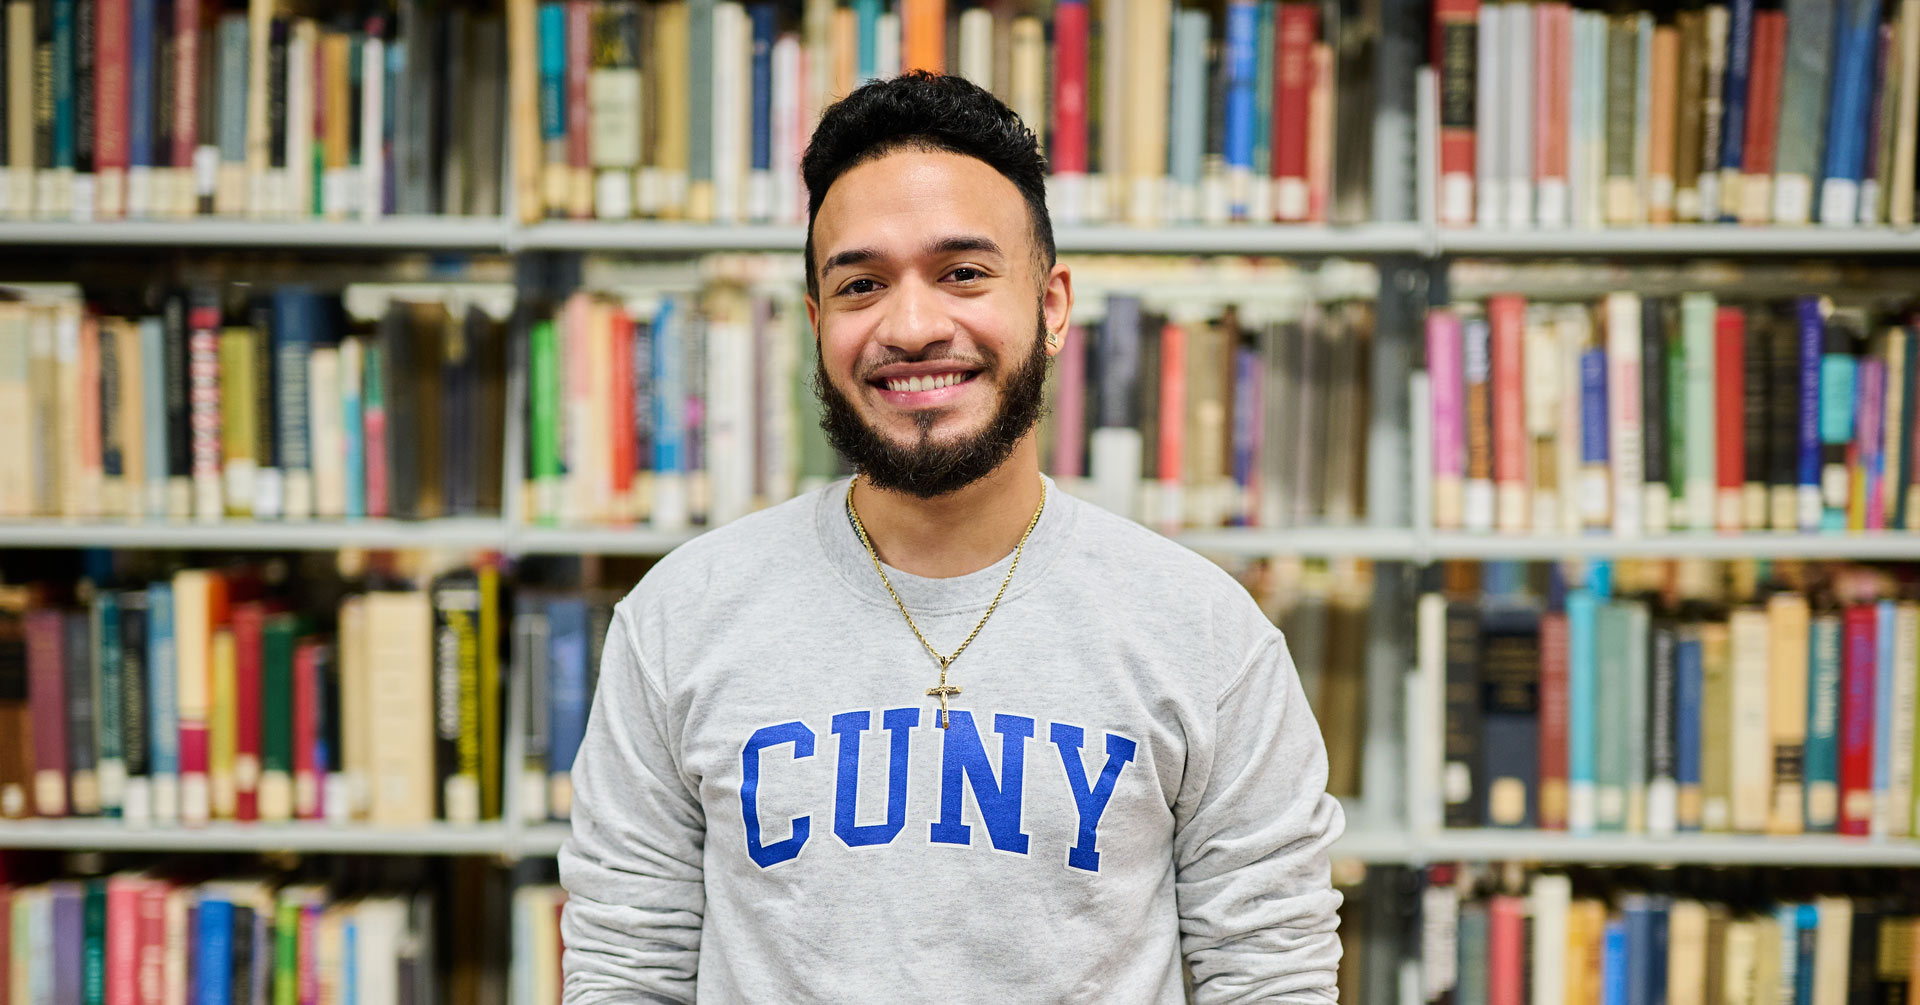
(925, 111)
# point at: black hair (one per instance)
(925, 111)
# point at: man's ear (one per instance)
(1056, 306)
(813, 316)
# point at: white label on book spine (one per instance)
(81, 194)
(1839, 202)
(1792, 199)
(1456, 198)
(1290, 197)
(1553, 202)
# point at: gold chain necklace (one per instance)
(943, 690)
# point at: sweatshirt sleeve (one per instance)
(1258, 919)
(632, 869)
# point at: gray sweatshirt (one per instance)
(767, 810)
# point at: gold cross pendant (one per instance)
(942, 692)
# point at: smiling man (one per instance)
(943, 732)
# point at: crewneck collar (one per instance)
(933, 597)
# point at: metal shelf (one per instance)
(633, 540)
(1690, 239)
(116, 835)
(243, 535)
(418, 233)
(1877, 546)
(657, 238)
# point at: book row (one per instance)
(1150, 113)
(1656, 697)
(164, 109)
(1219, 408)
(148, 938)
(230, 402)
(1490, 937)
(212, 694)
(1648, 414)
(1790, 114)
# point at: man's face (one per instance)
(931, 319)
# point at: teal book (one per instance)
(700, 90)
(1822, 791)
(1191, 29)
(1613, 759)
(93, 952)
(1582, 709)
(1263, 92)
(1803, 109)
(866, 28)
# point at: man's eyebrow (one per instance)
(942, 246)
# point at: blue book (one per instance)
(1248, 372)
(1243, 68)
(1613, 963)
(109, 701)
(349, 961)
(1188, 101)
(153, 400)
(212, 951)
(354, 438)
(866, 28)
(1733, 118)
(163, 713)
(1510, 701)
(1593, 409)
(1850, 116)
(69, 939)
(297, 318)
(1812, 335)
(140, 88)
(1821, 799)
(1806, 930)
(553, 72)
(1883, 710)
(1688, 695)
(390, 121)
(762, 17)
(669, 386)
(567, 663)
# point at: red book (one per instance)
(249, 622)
(1729, 415)
(46, 706)
(1170, 460)
(1858, 664)
(1506, 950)
(373, 416)
(307, 778)
(1552, 65)
(579, 62)
(112, 23)
(152, 961)
(1553, 720)
(1298, 29)
(186, 75)
(622, 433)
(1456, 27)
(1507, 319)
(123, 939)
(1763, 92)
(1069, 154)
(1070, 413)
(203, 398)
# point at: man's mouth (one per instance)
(924, 382)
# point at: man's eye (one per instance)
(965, 274)
(858, 287)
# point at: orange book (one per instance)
(1507, 315)
(1170, 457)
(1552, 68)
(1665, 85)
(1320, 133)
(923, 35)
(846, 49)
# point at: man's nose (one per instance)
(916, 318)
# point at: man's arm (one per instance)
(1258, 919)
(632, 869)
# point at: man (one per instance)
(793, 789)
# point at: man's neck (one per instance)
(957, 533)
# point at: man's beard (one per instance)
(926, 469)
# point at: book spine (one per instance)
(1555, 716)
(1659, 423)
(163, 703)
(1697, 327)
(1881, 742)
(1812, 368)
(1464, 780)
(135, 746)
(1510, 715)
(1489, 120)
(1298, 29)
(1804, 112)
(353, 424)
(1855, 687)
(1447, 380)
(1478, 507)
(1848, 124)
(1900, 737)
(1788, 425)
(1506, 316)
(1689, 124)
(1788, 626)
(46, 695)
(1763, 116)
(1730, 430)
(1733, 122)
(1662, 764)
(1716, 727)
(1623, 358)
(1688, 715)
(108, 710)
(1171, 448)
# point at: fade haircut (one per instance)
(928, 112)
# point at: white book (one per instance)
(1697, 319)
(1551, 898)
(1831, 945)
(788, 140)
(380, 928)
(1426, 703)
(976, 46)
(373, 176)
(81, 191)
(1623, 412)
(1114, 459)
(325, 433)
(1489, 155)
(141, 191)
(729, 156)
(1544, 393)
(1687, 959)
(886, 45)
(1517, 129)
(1752, 757)
(290, 194)
(1596, 127)
(729, 422)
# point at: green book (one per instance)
(1697, 312)
(276, 716)
(543, 395)
(286, 952)
(1803, 109)
(93, 952)
(1610, 754)
(1678, 437)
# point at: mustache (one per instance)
(939, 352)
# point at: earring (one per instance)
(1053, 340)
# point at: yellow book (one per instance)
(399, 708)
(1764, 986)
(1149, 24)
(19, 138)
(1788, 621)
(1751, 773)
(1832, 939)
(1716, 727)
(1586, 926)
(490, 808)
(1739, 961)
(523, 109)
(355, 742)
(238, 423)
(670, 113)
(259, 134)
(223, 793)
(335, 144)
(1029, 73)
(1687, 953)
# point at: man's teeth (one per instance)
(934, 382)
